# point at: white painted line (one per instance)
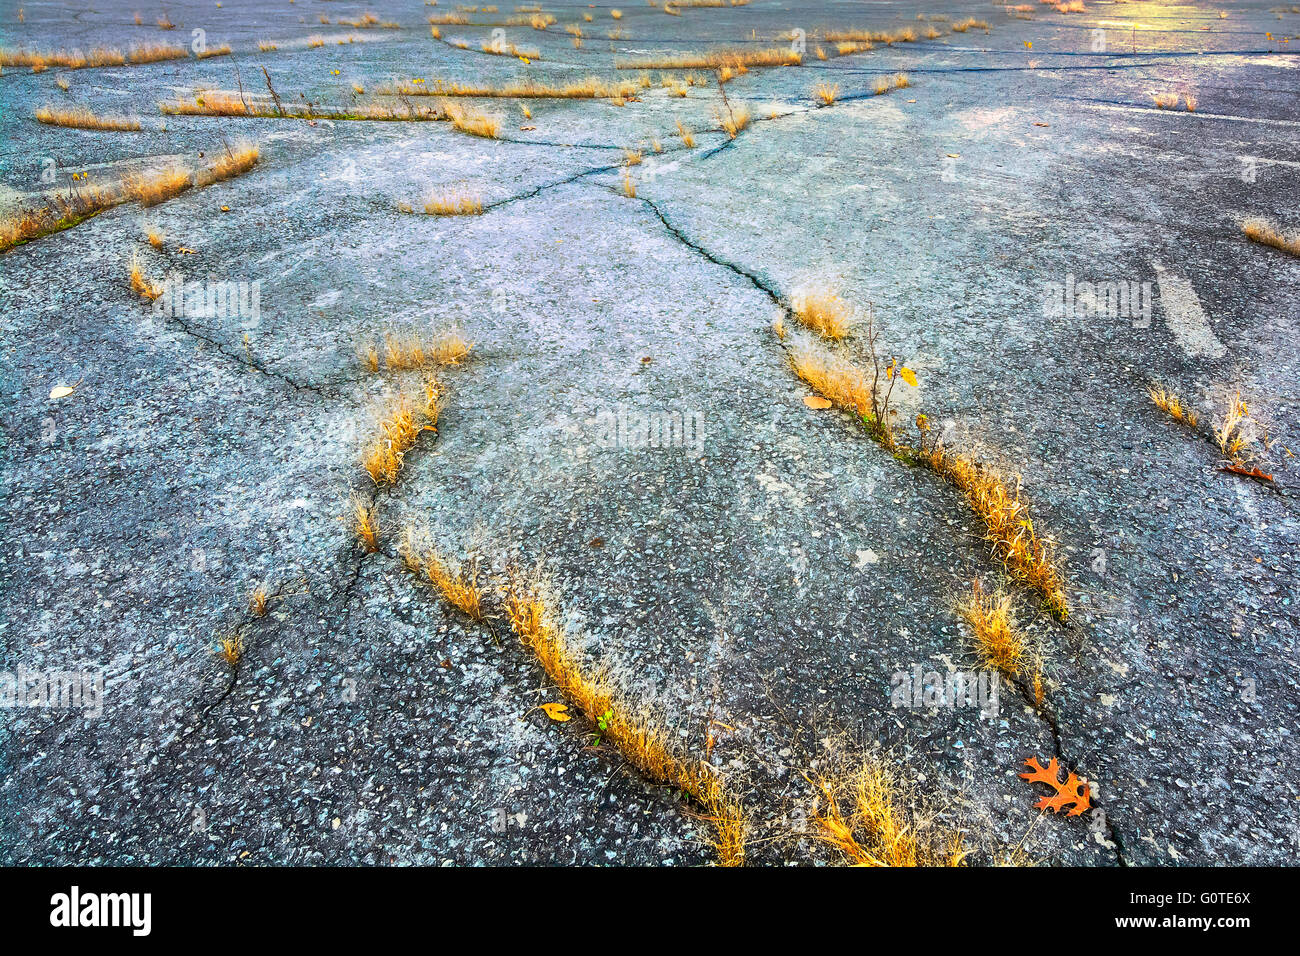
(1184, 113)
(1185, 317)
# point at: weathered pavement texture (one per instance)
(761, 584)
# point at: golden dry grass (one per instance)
(628, 186)
(223, 50)
(155, 186)
(638, 735)
(1008, 527)
(1172, 405)
(717, 59)
(473, 122)
(1266, 233)
(734, 120)
(453, 202)
(80, 117)
(155, 236)
(411, 350)
(231, 649)
(458, 585)
(820, 309)
(157, 52)
(826, 92)
(399, 424)
(961, 26)
(228, 164)
(999, 643)
(140, 283)
(867, 813)
(688, 139)
(218, 103)
(40, 60)
(864, 36)
(365, 523)
(257, 601)
(833, 377)
(1231, 433)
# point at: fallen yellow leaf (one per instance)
(816, 401)
(908, 376)
(556, 712)
(62, 391)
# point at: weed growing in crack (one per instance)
(638, 735)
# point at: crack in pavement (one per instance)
(1049, 718)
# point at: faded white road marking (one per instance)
(1185, 317)
(1263, 120)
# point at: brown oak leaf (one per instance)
(1073, 791)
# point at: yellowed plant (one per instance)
(365, 523)
(458, 586)
(638, 735)
(1266, 233)
(140, 284)
(455, 202)
(999, 643)
(820, 309)
(1171, 404)
(871, 818)
(826, 92)
(80, 117)
(397, 429)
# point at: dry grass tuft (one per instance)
(157, 52)
(638, 736)
(1165, 101)
(257, 601)
(40, 60)
(590, 88)
(223, 50)
(999, 643)
(399, 425)
(821, 310)
(455, 202)
(140, 284)
(1233, 434)
(867, 813)
(961, 26)
(1009, 529)
(413, 351)
(737, 60)
(473, 122)
(156, 186)
(1265, 233)
(734, 120)
(231, 649)
(826, 92)
(833, 377)
(628, 186)
(458, 586)
(234, 162)
(688, 139)
(1169, 402)
(155, 236)
(79, 117)
(365, 523)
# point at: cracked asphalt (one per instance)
(760, 581)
